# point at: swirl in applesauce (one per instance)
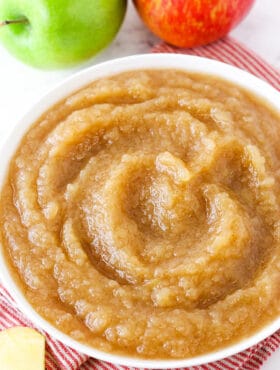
(140, 215)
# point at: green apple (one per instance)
(58, 33)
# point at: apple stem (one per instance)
(14, 21)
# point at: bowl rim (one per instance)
(65, 88)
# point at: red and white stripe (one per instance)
(232, 52)
(58, 356)
(61, 357)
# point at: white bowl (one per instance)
(148, 61)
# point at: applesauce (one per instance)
(140, 215)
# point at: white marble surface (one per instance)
(24, 85)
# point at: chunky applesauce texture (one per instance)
(140, 215)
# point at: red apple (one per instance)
(189, 23)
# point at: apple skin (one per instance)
(190, 23)
(59, 33)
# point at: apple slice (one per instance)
(22, 348)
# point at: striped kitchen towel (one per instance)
(61, 357)
(232, 52)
